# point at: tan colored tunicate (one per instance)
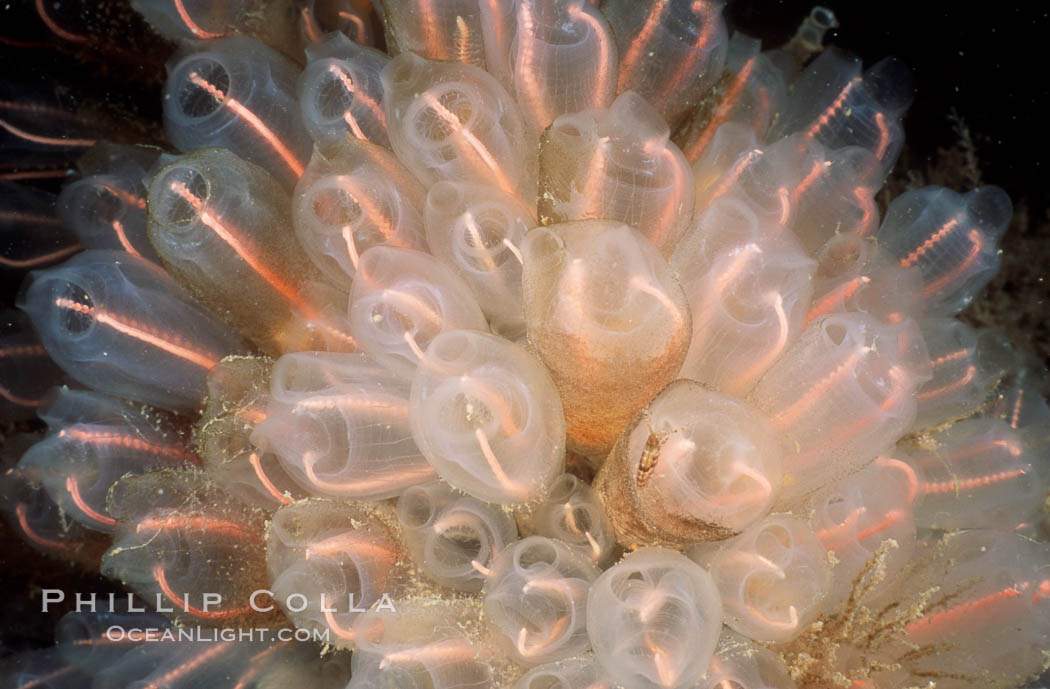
(607, 316)
(694, 465)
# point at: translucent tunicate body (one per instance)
(965, 365)
(467, 31)
(741, 664)
(477, 230)
(108, 210)
(573, 514)
(354, 18)
(723, 148)
(693, 465)
(748, 283)
(273, 23)
(26, 370)
(752, 89)
(562, 59)
(487, 416)
(952, 238)
(607, 316)
(425, 642)
(670, 52)
(454, 538)
(654, 620)
(94, 440)
(238, 94)
(773, 578)
(1022, 405)
(833, 103)
(536, 600)
(78, 635)
(443, 663)
(1010, 596)
(238, 393)
(841, 395)
(31, 236)
(355, 195)
(330, 561)
(186, 548)
(340, 93)
(118, 324)
(617, 164)
(32, 515)
(855, 274)
(339, 425)
(401, 300)
(978, 473)
(857, 516)
(573, 673)
(221, 227)
(452, 121)
(837, 198)
(141, 649)
(771, 180)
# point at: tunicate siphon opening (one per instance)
(992, 206)
(841, 256)
(288, 528)
(565, 127)
(538, 552)
(547, 680)
(834, 331)
(401, 70)
(452, 347)
(771, 540)
(542, 244)
(334, 206)
(563, 489)
(335, 93)
(415, 509)
(465, 414)
(443, 110)
(205, 85)
(95, 203)
(580, 519)
(445, 196)
(823, 17)
(185, 193)
(481, 245)
(76, 309)
(458, 546)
